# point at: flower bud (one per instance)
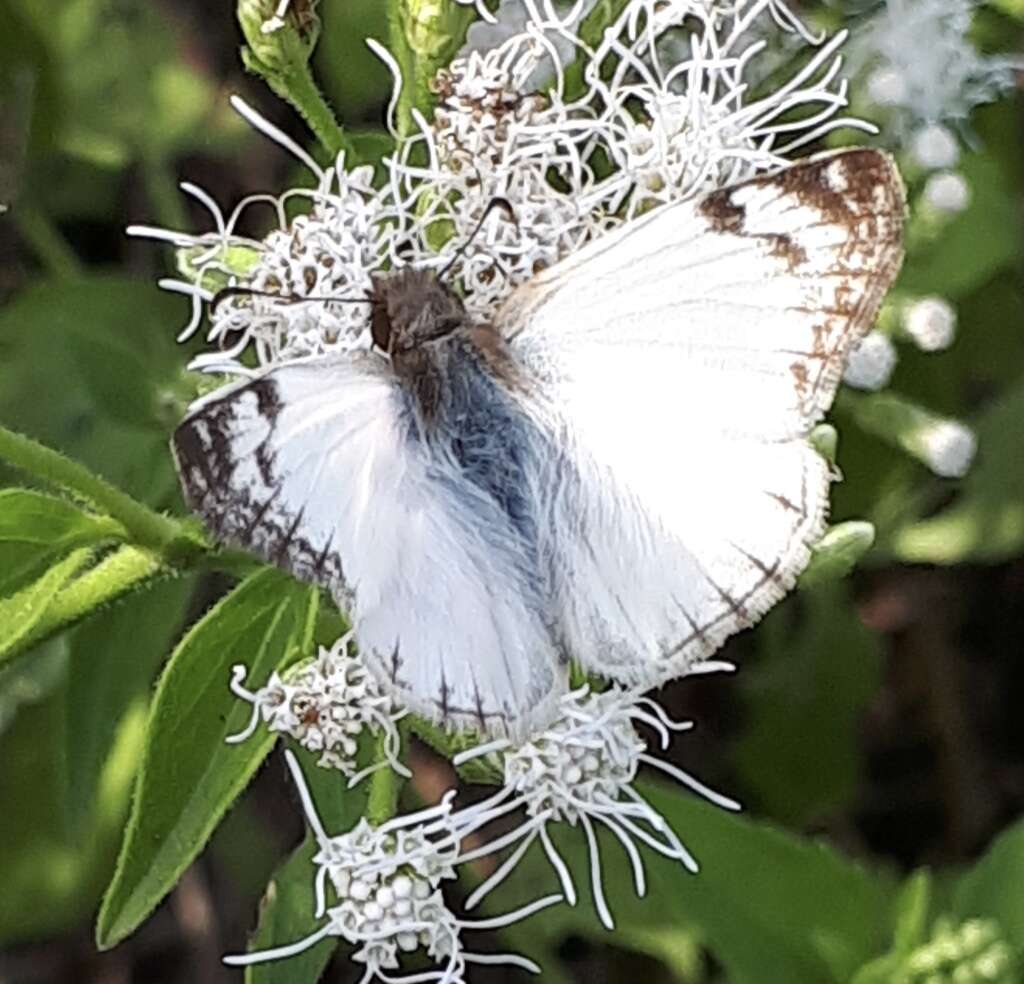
(886, 87)
(931, 323)
(947, 191)
(934, 146)
(871, 363)
(280, 34)
(945, 446)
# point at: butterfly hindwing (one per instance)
(317, 467)
(688, 355)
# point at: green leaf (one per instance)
(910, 917)
(20, 612)
(189, 776)
(100, 312)
(773, 908)
(287, 909)
(118, 101)
(32, 681)
(836, 554)
(992, 888)
(803, 700)
(53, 878)
(36, 530)
(113, 659)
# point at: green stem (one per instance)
(300, 89)
(163, 194)
(382, 804)
(46, 242)
(295, 84)
(424, 35)
(148, 528)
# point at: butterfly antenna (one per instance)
(228, 292)
(505, 205)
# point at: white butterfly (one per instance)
(616, 472)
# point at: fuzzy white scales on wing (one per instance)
(688, 355)
(311, 467)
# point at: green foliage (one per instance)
(23, 610)
(286, 911)
(804, 695)
(986, 523)
(760, 891)
(189, 777)
(37, 530)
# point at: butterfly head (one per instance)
(411, 308)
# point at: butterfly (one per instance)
(616, 470)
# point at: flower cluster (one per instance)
(325, 704)
(924, 76)
(581, 772)
(923, 66)
(387, 897)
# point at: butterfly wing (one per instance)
(689, 355)
(316, 467)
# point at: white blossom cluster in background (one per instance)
(673, 101)
(924, 75)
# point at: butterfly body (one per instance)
(615, 470)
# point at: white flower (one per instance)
(301, 291)
(276, 22)
(924, 64)
(581, 771)
(871, 363)
(947, 447)
(934, 146)
(328, 254)
(387, 900)
(885, 86)
(697, 130)
(325, 704)
(931, 323)
(947, 191)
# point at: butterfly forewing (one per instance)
(688, 355)
(316, 467)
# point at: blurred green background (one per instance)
(879, 715)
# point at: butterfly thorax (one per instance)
(411, 308)
(434, 345)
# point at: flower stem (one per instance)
(46, 241)
(382, 804)
(281, 58)
(168, 537)
(298, 87)
(425, 35)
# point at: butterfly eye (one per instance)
(380, 326)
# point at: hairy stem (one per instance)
(385, 786)
(166, 536)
